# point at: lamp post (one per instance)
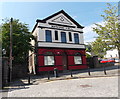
(10, 59)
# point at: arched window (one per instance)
(49, 53)
(77, 54)
(49, 58)
(78, 58)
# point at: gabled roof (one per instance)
(62, 11)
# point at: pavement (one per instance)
(97, 84)
(95, 72)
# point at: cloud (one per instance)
(89, 35)
(74, 17)
(89, 40)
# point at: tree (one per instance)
(88, 48)
(99, 48)
(110, 32)
(0, 42)
(21, 39)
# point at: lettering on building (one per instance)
(61, 27)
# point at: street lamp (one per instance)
(3, 52)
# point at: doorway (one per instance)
(64, 61)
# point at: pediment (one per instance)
(61, 19)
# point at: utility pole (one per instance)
(11, 58)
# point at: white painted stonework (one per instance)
(59, 45)
(41, 36)
(54, 24)
(61, 19)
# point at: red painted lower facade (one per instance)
(60, 55)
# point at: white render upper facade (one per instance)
(60, 22)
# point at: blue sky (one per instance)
(85, 13)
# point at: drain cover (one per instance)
(85, 86)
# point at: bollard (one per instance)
(71, 74)
(28, 78)
(89, 71)
(55, 72)
(1, 85)
(104, 70)
(48, 75)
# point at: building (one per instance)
(113, 53)
(59, 44)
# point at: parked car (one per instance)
(117, 60)
(111, 60)
(104, 61)
(107, 61)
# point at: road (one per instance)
(81, 87)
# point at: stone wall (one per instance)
(19, 71)
(105, 64)
(98, 64)
(93, 62)
(5, 71)
(0, 73)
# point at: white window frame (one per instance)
(77, 59)
(49, 60)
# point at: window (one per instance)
(56, 35)
(63, 37)
(76, 38)
(48, 36)
(70, 36)
(77, 58)
(49, 58)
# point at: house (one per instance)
(59, 44)
(113, 53)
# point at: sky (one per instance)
(85, 13)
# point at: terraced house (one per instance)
(59, 44)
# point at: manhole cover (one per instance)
(84, 86)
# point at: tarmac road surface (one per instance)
(81, 87)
